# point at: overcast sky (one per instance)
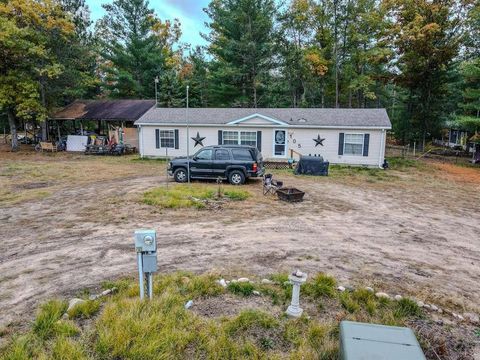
(189, 12)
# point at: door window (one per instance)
(205, 154)
(222, 154)
(279, 143)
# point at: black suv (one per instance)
(233, 162)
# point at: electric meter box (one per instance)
(361, 341)
(149, 263)
(145, 241)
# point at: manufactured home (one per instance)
(340, 136)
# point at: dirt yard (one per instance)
(66, 224)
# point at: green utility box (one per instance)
(361, 341)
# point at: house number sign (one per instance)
(293, 140)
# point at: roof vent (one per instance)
(302, 120)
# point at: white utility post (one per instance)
(297, 279)
(156, 91)
(188, 138)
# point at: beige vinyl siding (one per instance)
(298, 139)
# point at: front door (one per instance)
(279, 143)
(201, 164)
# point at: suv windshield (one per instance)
(242, 154)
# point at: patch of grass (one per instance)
(321, 338)
(120, 285)
(348, 302)
(248, 319)
(322, 285)
(84, 310)
(399, 163)
(179, 196)
(236, 194)
(241, 288)
(407, 308)
(189, 196)
(21, 348)
(132, 329)
(67, 349)
(127, 328)
(149, 159)
(47, 321)
(187, 285)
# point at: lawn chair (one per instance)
(271, 186)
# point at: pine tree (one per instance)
(241, 45)
(136, 48)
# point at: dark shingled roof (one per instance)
(291, 116)
(120, 110)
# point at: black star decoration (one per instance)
(318, 140)
(198, 139)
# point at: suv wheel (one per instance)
(236, 177)
(180, 175)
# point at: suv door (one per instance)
(221, 160)
(201, 164)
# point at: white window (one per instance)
(248, 138)
(353, 144)
(167, 138)
(230, 138)
(240, 138)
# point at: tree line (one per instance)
(419, 59)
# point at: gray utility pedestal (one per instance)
(360, 341)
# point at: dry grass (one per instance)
(128, 328)
(37, 176)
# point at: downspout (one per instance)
(140, 134)
(382, 149)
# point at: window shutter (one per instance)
(340, 143)
(259, 140)
(157, 138)
(176, 139)
(366, 141)
(220, 137)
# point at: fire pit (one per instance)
(290, 194)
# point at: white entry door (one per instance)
(280, 143)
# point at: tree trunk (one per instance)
(335, 51)
(13, 129)
(44, 104)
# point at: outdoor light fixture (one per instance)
(146, 248)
